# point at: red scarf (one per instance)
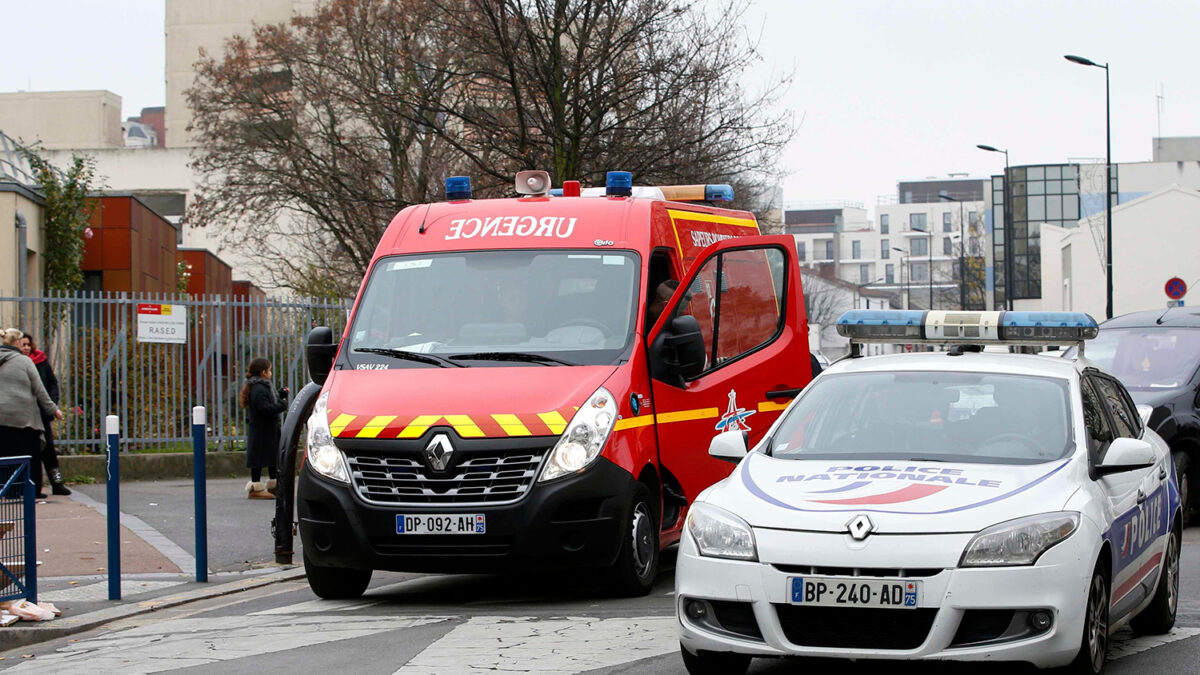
(38, 356)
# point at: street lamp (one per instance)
(929, 234)
(962, 245)
(1008, 266)
(903, 270)
(1108, 205)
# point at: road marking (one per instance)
(485, 645)
(1121, 648)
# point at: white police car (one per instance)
(945, 505)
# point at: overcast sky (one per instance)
(885, 90)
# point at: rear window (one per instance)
(935, 416)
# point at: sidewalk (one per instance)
(158, 566)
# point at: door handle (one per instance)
(1162, 473)
(785, 393)
(1141, 496)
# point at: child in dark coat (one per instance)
(263, 403)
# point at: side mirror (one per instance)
(685, 339)
(320, 350)
(1127, 454)
(729, 446)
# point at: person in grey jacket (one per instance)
(23, 400)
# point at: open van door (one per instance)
(729, 352)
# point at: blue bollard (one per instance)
(200, 475)
(112, 426)
(30, 530)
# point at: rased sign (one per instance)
(162, 323)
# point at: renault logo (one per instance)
(438, 452)
(860, 526)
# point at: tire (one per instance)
(1093, 643)
(633, 572)
(336, 583)
(1159, 616)
(714, 663)
(1183, 469)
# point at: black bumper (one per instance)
(571, 522)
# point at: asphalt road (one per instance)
(412, 624)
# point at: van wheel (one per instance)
(1159, 617)
(336, 583)
(637, 561)
(1093, 645)
(714, 663)
(1183, 467)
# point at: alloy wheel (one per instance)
(1097, 622)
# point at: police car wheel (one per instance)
(1183, 469)
(336, 583)
(1159, 617)
(714, 663)
(637, 561)
(1093, 647)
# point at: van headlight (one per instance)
(1019, 542)
(720, 534)
(322, 455)
(584, 438)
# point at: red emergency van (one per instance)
(508, 394)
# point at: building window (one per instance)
(946, 246)
(919, 246)
(855, 250)
(800, 250)
(889, 274)
(864, 274)
(885, 251)
(947, 226)
(829, 250)
(1045, 194)
(883, 223)
(917, 221)
(920, 272)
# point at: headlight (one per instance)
(583, 439)
(1018, 542)
(323, 456)
(720, 534)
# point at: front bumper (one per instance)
(950, 623)
(570, 522)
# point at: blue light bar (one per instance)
(942, 327)
(1042, 326)
(618, 184)
(718, 193)
(458, 187)
(882, 325)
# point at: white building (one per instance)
(826, 299)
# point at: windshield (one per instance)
(496, 308)
(932, 416)
(1147, 358)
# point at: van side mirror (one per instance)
(683, 337)
(1126, 454)
(729, 446)
(320, 350)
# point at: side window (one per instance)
(1098, 433)
(737, 297)
(1124, 416)
(660, 286)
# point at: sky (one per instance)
(881, 91)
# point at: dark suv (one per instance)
(1156, 355)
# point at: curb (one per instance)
(23, 634)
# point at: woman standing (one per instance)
(21, 396)
(263, 404)
(50, 382)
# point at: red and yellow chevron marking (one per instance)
(498, 425)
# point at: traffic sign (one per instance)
(1176, 288)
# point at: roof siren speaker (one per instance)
(533, 183)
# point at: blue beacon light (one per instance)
(618, 184)
(458, 187)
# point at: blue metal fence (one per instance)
(18, 540)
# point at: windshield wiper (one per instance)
(513, 356)
(431, 359)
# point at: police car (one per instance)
(954, 505)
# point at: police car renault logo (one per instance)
(860, 526)
(438, 452)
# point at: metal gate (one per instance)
(104, 368)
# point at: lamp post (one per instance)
(1008, 266)
(928, 233)
(962, 245)
(1108, 204)
(903, 272)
